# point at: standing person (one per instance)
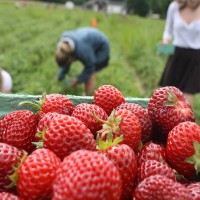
(183, 30)
(5, 81)
(88, 45)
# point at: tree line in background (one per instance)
(139, 7)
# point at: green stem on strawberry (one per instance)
(171, 99)
(37, 105)
(140, 146)
(109, 127)
(100, 120)
(104, 145)
(111, 124)
(195, 158)
(13, 177)
(41, 135)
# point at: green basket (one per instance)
(165, 49)
(10, 102)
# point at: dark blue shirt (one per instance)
(91, 48)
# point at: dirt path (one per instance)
(137, 80)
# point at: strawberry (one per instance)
(153, 167)
(9, 196)
(158, 187)
(108, 97)
(36, 175)
(123, 123)
(87, 175)
(9, 157)
(168, 107)
(194, 189)
(83, 112)
(151, 151)
(17, 128)
(143, 116)
(124, 159)
(182, 148)
(66, 134)
(52, 103)
(45, 121)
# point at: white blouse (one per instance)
(179, 31)
(7, 81)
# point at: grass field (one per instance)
(29, 36)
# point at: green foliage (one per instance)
(144, 7)
(29, 36)
(160, 7)
(141, 7)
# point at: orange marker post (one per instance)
(94, 22)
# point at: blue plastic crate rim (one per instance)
(10, 102)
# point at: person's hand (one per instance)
(74, 82)
(165, 41)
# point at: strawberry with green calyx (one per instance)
(14, 177)
(10, 159)
(51, 103)
(123, 157)
(83, 112)
(42, 126)
(36, 175)
(195, 158)
(18, 128)
(183, 148)
(65, 134)
(168, 107)
(143, 116)
(122, 122)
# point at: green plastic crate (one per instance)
(165, 49)
(10, 102)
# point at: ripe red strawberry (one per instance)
(83, 112)
(123, 123)
(124, 159)
(158, 187)
(36, 175)
(66, 134)
(108, 97)
(143, 116)
(151, 151)
(18, 128)
(168, 107)
(194, 189)
(87, 175)
(9, 196)
(153, 167)
(9, 157)
(182, 148)
(52, 103)
(45, 121)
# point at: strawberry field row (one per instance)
(29, 36)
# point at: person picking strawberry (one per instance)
(89, 46)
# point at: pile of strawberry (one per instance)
(107, 150)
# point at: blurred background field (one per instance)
(28, 38)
